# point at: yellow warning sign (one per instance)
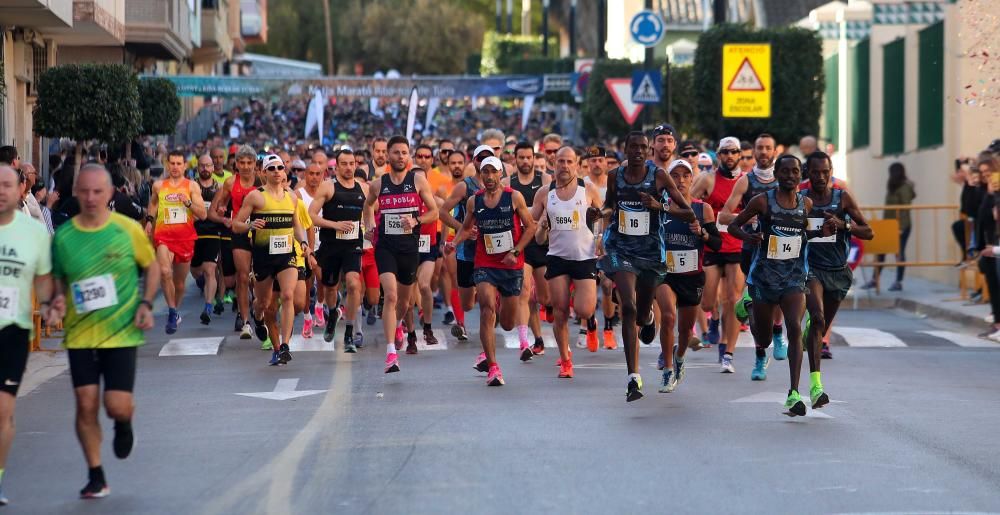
(746, 80)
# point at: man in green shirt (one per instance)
(96, 260)
(218, 155)
(25, 263)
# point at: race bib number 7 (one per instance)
(498, 243)
(784, 247)
(177, 215)
(94, 293)
(633, 223)
(8, 303)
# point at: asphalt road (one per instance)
(911, 430)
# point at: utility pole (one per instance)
(719, 11)
(602, 27)
(525, 17)
(329, 38)
(572, 28)
(510, 16)
(499, 16)
(648, 65)
(545, 28)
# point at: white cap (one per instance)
(729, 142)
(271, 160)
(483, 148)
(704, 159)
(679, 162)
(492, 161)
(298, 163)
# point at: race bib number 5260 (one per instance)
(394, 224)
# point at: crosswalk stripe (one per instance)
(314, 344)
(191, 347)
(866, 337)
(962, 340)
(441, 338)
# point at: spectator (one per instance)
(30, 178)
(899, 192)
(973, 192)
(986, 237)
(41, 196)
(807, 145)
(746, 157)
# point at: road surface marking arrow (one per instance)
(779, 398)
(284, 390)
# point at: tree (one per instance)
(161, 108)
(89, 102)
(796, 79)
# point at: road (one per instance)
(910, 430)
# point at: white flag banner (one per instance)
(432, 107)
(411, 116)
(529, 102)
(314, 115)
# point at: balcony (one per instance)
(160, 29)
(37, 14)
(95, 23)
(216, 43)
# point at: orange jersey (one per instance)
(174, 220)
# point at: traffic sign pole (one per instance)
(648, 116)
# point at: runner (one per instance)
(206, 249)
(598, 176)
(777, 276)
(630, 252)
(567, 212)
(337, 211)
(491, 139)
(25, 249)
(679, 297)
(829, 277)
(270, 212)
(528, 183)
(498, 217)
(760, 180)
(236, 189)
(430, 252)
(219, 171)
(310, 185)
(97, 257)
(226, 271)
(664, 144)
(724, 279)
(551, 143)
(399, 195)
(174, 204)
(378, 166)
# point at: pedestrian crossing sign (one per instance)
(746, 80)
(646, 87)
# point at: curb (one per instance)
(923, 309)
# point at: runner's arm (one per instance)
(727, 215)
(610, 197)
(197, 203)
(467, 224)
(711, 236)
(702, 186)
(240, 221)
(594, 210)
(664, 182)
(527, 222)
(154, 206)
(859, 226)
(757, 205)
(424, 190)
(368, 214)
(457, 193)
(539, 215)
(219, 201)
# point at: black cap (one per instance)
(664, 128)
(612, 154)
(595, 151)
(994, 146)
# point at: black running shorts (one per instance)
(117, 366)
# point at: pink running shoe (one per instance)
(307, 329)
(391, 363)
(399, 336)
(495, 377)
(320, 316)
(482, 365)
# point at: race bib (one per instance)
(177, 215)
(280, 244)
(394, 224)
(352, 234)
(8, 303)
(565, 221)
(633, 223)
(816, 224)
(498, 243)
(425, 244)
(784, 247)
(94, 293)
(682, 261)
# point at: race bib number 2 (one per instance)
(784, 247)
(633, 223)
(498, 243)
(8, 303)
(94, 293)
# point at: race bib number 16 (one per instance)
(633, 223)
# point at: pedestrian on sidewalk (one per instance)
(899, 192)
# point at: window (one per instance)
(831, 101)
(930, 84)
(893, 97)
(860, 59)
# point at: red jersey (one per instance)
(717, 199)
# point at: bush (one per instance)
(796, 78)
(501, 51)
(161, 108)
(88, 102)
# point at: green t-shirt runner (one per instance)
(24, 253)
(99, 268)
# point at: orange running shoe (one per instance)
(566, 370)
(592, 340)
(609, 340)
(559, 360)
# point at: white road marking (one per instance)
(283, 391)
(779, 399)
(963, 340)
(192, 347)
(866, 337)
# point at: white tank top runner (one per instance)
(569, 236)
(602, 191)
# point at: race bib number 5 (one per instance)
(682, 261)
(394, 224)
(8, 303)
(94, 293)
(498, 243)
(280, 244)
(784, 247)
(633, 223)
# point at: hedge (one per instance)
(88, 102)
(161, 108)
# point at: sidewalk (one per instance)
(920, 296)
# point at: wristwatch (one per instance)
(847, 226)
(516, 252)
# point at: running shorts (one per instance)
(643, 269)
(576, 270)
(688, 288)
(206, 250)
(183, 250)
(116, 366)
(834, 282)
(266, 265)
(241, 241)
(463, 272)
(369, 271)
(508, 282)
(336, 263)
(721, 258)
(536, 255)
(226, 257)
(14, 347)
(769, 296)
(402, 265)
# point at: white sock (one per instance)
(308, 316)
(390, 349)
(633, 376)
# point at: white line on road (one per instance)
(283, 390)
(866, 337)
(192, 347)
(778, 398)
(963, 340)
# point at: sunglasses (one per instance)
(280, 168)
(689, 154)
(423, 156)
(705, 167)
(298, 169)
(551, 151)
(728, 151)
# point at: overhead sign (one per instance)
(647, 28)
(746, 80)
(646, 87)
(442, 86)
(621, 93)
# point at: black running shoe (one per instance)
(539, 347)
(206, 317)
(260, 328)
(633, 391)
(239, 323)
(449, 318)
(349, 347)
(284, 354)
(219, 308)
(647, 333)
(95, 490)
(526, 354)
(124, 440)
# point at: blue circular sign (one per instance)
(646, 28)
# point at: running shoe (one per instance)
(633, 390)
(399, 337)
(722, 352)
(695, 343)
(449, 318)
(581, 340)
(609, 340)
(494, 377)
(391, 363)
(4, 501)
(260, 329)
(329, 330)
(870, 285)
(668, 382)
(124, 440)
(370, 317)
(429, 337)
(349, 347)
(95, 490)
(566, 370)
(592, 341)
(307, 329)
(780, 351)
(825, 352)
(818, 397)
(359, 339)
(206, 315)
(319, 315)
(275, 360)
(759, 372)
(794, 407)
(411, 338)
(727, 365)
(229, 298)
(559, 360)
(712, 336)
(896, 286)
(219, 308)
(266, 345)
(648, 331)
(239, 325)
(679, 369)
(744, 328)
(284, 354)
(458, 331)
(659, 362)
(411, 347)
(743, 308)
(526, 353)
(173, 320)
(482, 364)
(538, 349)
